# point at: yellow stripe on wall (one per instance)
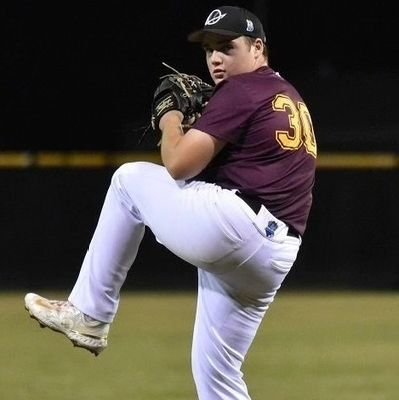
(73, 159)
(358, 161)
(12, 160)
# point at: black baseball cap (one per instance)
(231, 22)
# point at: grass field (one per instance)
(311, 346)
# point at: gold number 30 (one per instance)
(301, 124)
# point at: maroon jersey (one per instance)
(270, 151)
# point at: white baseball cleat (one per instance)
(63, 317)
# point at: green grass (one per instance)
(312, 345)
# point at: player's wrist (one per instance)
(172, 117)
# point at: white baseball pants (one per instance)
(239, 268)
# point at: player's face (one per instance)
(228, 57)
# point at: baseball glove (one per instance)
(177, 91)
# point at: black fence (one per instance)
(48, 215)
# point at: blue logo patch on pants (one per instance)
(271, 228)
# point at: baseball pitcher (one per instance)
(232, 198)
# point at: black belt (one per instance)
(255, 205)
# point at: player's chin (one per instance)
(218, 76)
(217, 80)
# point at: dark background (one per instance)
(80, 75)
(48, 217)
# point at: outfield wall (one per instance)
(48, 214)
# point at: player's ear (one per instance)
(258, 46)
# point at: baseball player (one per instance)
(232, 198)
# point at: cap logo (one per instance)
(214, 17)
(250, 26)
